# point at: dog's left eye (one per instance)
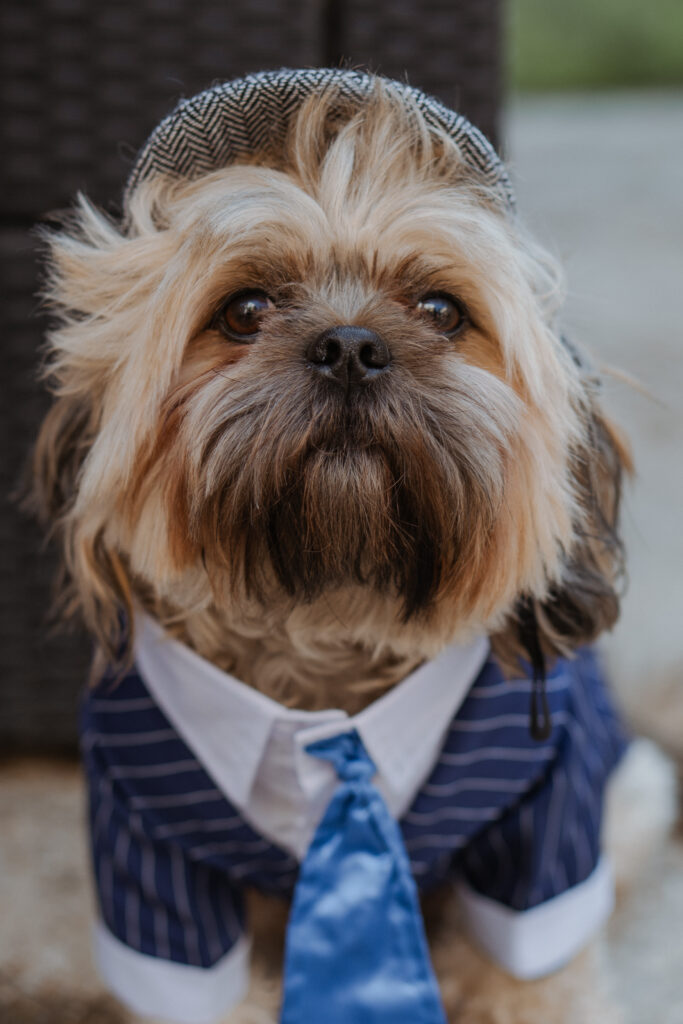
(240, 316)
(446, 313)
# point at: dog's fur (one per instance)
(320, 546)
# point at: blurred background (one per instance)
(585, 100)
(593, 130)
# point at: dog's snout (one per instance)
(349, 355)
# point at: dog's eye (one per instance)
(445, 312)
(241, 315)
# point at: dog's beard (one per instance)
(316, 490)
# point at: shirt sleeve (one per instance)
(534, 886)
(170, 940)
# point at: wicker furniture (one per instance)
(81, 86)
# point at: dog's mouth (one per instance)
(347, 507)
(325, 491)
(350, 440)
(352, 516)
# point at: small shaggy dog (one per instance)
(314, 421)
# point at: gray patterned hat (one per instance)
(247, 115)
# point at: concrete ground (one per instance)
(600, 180)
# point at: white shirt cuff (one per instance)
(178, 993)
(535, 942)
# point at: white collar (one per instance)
(249, 743)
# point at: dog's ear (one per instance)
(584, 601)
(91, 584)
(92, 581)
(60, 450)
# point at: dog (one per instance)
(315, 431)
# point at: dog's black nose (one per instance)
(348, 355)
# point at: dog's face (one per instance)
(333, 374)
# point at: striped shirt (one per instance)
(199, 786)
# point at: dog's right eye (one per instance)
(446, 313)
(240, 317)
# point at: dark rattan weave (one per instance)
(41, 672)
(82, 83)
(447, 48)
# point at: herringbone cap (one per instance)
(248, 115)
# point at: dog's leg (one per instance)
(476, 992)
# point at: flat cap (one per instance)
(245, 116)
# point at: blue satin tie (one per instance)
(356, 951)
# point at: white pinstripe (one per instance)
(452, 814)
(554, 820)
(483, 785)
(236, 846)
(105, 807)
(106, 873)
(588, 802)
(510, 721)
(152, 771)
(495, 753)
(581, 850)
(510, 686)
(136, 739)
(121, 848)
(590, 713)
(103, 858)
(181, 900)
(182, 828)
(207, 915)
(578, 734)
(149, 889)
(132, 906)
(199, 796)
(437, 842)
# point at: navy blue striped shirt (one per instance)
(516, 819)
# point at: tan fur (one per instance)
(321, 550)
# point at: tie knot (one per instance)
(346, 754)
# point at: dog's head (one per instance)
(331, 369)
